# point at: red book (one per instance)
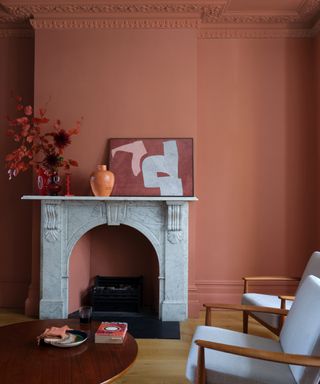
(111, 332)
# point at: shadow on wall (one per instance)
(16, 76)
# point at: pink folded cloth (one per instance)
(54, 333)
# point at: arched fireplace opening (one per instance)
(120, 252)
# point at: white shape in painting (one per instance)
(137, 149)
(170, 185)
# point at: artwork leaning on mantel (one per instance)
(152, 166)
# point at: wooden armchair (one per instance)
(274, 322)
(222, 356)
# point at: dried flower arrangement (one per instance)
(37, 148)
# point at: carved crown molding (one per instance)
(163, 14)
(309, 9)
(316, 28)
(253, 19)
(253, 33)
(10, 27)
(16, 33)
(214, 10)
(113, 23)
(28, 10)
(5, 18)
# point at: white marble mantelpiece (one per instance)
(163, 220)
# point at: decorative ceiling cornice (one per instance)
(220, 33)
(309, 9)
(11, 27)
(202, 14)
(114, 23)
(16, 33)
(28, 10)
(5, 18)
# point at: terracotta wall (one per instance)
(256, 162)
(16, 75)
(250, 106)
(125, 83)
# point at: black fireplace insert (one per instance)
(117, 294)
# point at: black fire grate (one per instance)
(113, 293)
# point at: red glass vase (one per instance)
(53, 185)
(42, 181)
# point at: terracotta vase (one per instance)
(102, 181)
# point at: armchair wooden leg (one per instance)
(245, 321)
(208, 316)
(201, 372)
(282, 317)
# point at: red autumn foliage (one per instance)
(37, 148)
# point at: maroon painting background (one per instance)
(127, 184)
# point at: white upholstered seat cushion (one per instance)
(231, 369)
(262, 300)
(312, 268)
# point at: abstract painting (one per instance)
(152, 167)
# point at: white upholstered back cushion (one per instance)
(312, 267)
(301, 331)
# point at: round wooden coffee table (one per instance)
(23, 362)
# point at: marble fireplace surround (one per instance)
(163, 220)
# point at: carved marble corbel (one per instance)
(174, 231)
(51, 222)
(116, 213)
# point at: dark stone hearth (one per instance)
(141, 325)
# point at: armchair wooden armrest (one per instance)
(248, 279)
(279, 357)
(284, 298)
(240, 307)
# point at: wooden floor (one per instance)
(163, 361)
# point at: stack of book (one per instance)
(111, 332)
